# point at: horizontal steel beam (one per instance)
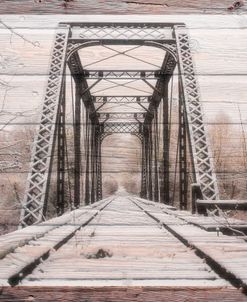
(122, 127)
(159, 43)
(122, 32)
(121, 115)
(122, 24)
(115, 33)
(121, 99)
(123, 74)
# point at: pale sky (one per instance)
(220, 57)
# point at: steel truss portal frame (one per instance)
(69, 38)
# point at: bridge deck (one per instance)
(128, 242)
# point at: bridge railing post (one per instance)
(196, 193)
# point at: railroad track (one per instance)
(123, 242)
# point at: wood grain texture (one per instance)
(118, 294)
(117, 7)
(122, 231)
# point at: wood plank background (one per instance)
(117, 7)
(115, 294)
(228, 77)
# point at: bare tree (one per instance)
(228, 159)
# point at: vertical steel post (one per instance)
(155, 158)
(183, 175)
(150, 162)
(99, 166)
(87, 181)
(144, 169)
(146, 160)
(93, 161)
(61, 143)
(77, 146)
(96, 162)
(166, 142)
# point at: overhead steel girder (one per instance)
(167, 68)
(123, 74)
(122, 127)
(121, 99)
(77, 71)
(121, 115)
(200, 148)
(116, 32)
(35, 197)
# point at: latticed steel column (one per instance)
(35, 198)
(201, 153)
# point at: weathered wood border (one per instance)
(113, 294)
(121, 7)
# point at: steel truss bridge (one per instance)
(136, 218)
(69, 39)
